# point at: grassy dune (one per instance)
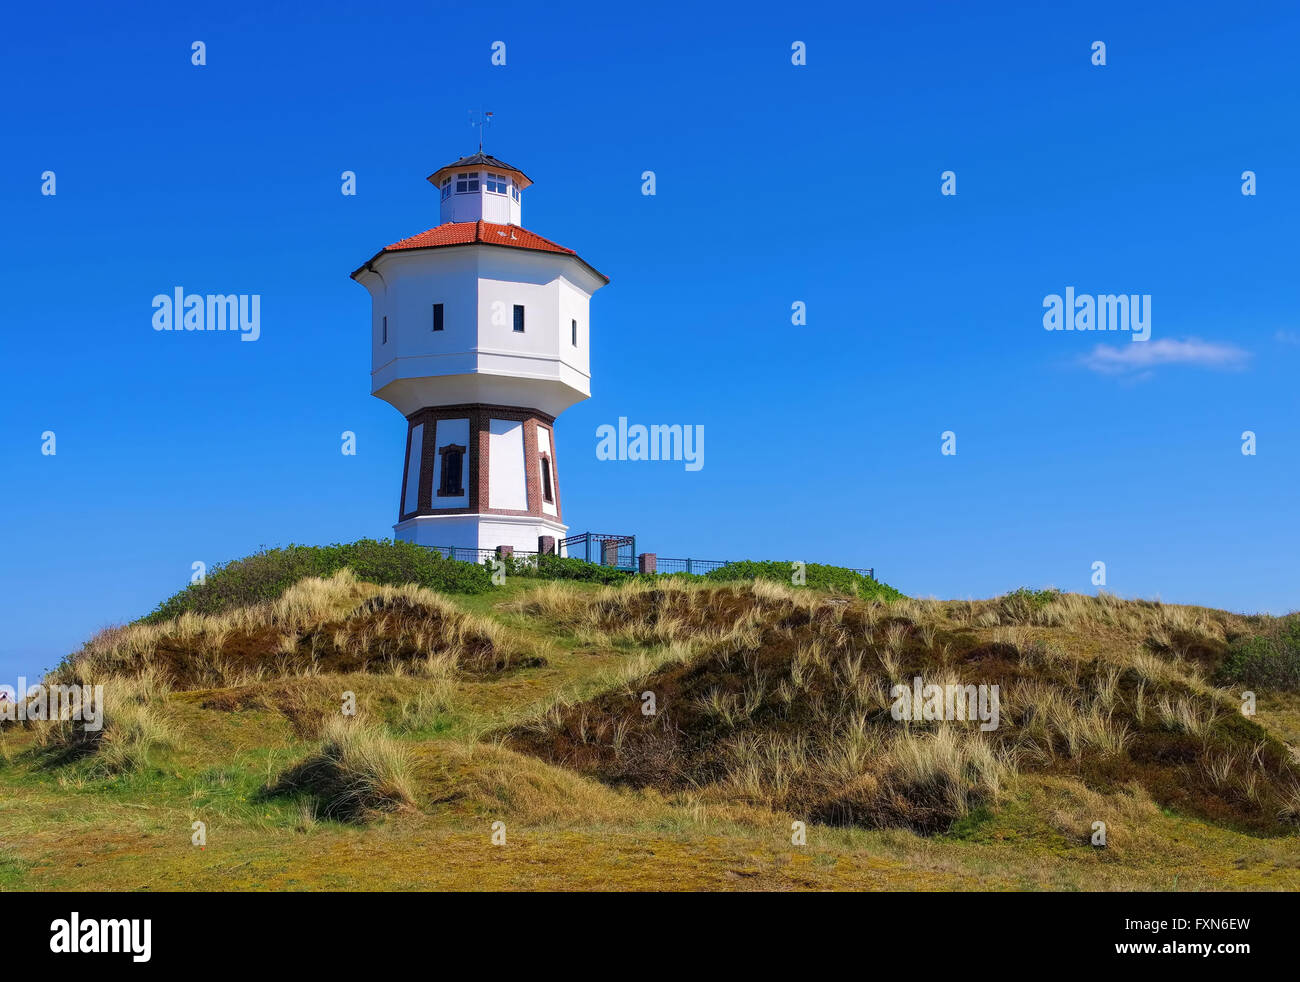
(500, 741)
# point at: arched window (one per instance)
(548, 492)
(453, 459)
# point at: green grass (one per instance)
(75, 827)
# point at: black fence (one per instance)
(602, 548)
(466, 555)
(617, 551)
(698, 566)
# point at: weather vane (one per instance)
(481, 120)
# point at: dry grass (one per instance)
(133, 727)
(779, 698)
(317, 625)
(773, 703)
(357, 771)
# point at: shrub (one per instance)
(1269, 660)
(565, 568)
(1023, 604)
(265, 575)
(819, 577)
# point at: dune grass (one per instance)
(525, 707)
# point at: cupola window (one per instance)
(496, 183)
(446, 187)
(466, 183)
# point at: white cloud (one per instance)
(1143, 356)
(1287, 337)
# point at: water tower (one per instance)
(480, 337)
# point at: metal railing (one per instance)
(699, 567)
(601, 548)
(617, 551)
(696, 566)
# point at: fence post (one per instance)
(609, 552)
(646, 563)
(546, 545)
(688, 566)
(504, 551)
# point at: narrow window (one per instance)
(575, 333)
(547, 494)
(514, 191)
(519, 318)
(446, 187)
(385, 336)
(450, 484)
(437, 317)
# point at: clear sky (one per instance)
(776, 183)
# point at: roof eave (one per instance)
(524, 185)
(369, 264)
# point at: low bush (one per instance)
(265, 575)
(1270, 660)
(564, 568)
(817, 576)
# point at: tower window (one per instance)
(548, 493)
(496, 183)
(385, 334)
(450, 485)
(466, 183)
(574, 329)
(446, 187)
(437, 317)
(514, 191)
(519, 318)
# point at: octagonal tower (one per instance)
(480, 338)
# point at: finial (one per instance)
(481, 120)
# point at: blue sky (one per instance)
(775, 184)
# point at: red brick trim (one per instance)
(480, 416)
(555, 470)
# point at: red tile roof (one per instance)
(487, 233)
(462, 233)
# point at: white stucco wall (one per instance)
(415, 450)
(506, 485)
(478, 532)
(478, 356)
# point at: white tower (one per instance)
(480, 337)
